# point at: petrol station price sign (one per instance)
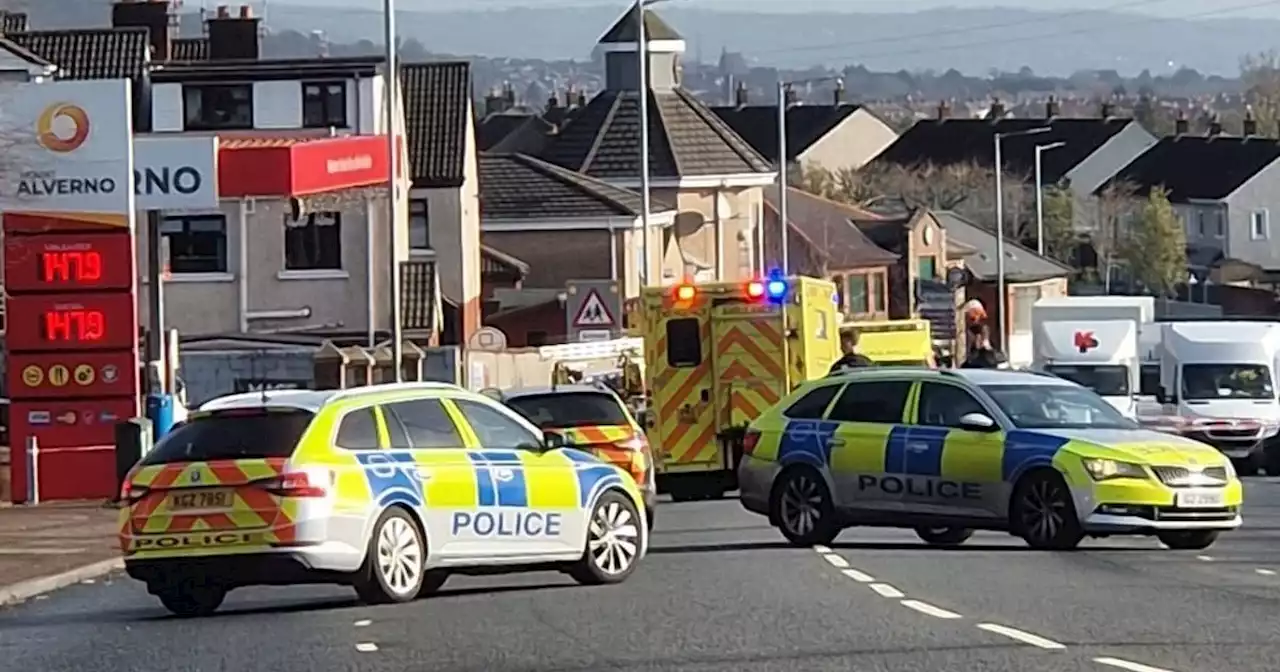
(84, 262)
(72, 322)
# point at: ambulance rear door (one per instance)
(749, 363)
(678, 355)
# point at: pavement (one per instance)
(719, 592)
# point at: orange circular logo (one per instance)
(48, 135)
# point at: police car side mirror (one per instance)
(977, 422)
(553, 441)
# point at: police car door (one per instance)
(428, 432)
(951, 471)
(866, 445)
(528, 499)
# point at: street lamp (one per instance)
(1041, 149)
(393, 87)
(783, 87)
(642, 55)
(1002, 319)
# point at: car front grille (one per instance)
(1183, 477)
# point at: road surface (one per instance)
(720, 591)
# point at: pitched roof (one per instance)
(92, 53)
(951, 141)
(518, 186)
(1198, 166)
(437, 110)
(806, 124)
(685, 139)
(499, 126)
(829, 228)
(22, 53)
(12, 22)
(190, 49)
(624, 29)
(1021, 264)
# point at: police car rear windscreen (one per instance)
(232, 435)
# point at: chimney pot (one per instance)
(1180, 125)
(1107, 110)
(997, 110)
(582, 98)
(553, 101)
(839, 92)
(1250, 124)
(246, 12)
(740, 94)
(944, 109)
(223, 12)
(1215, 126)
(791, 95)
(1051, 108)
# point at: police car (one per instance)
(387, 488)
(948, 452)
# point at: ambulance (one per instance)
(717, 355)
(894, 342)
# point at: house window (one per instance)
(876, 282)
(926, 267)
(419, 225)
(324, 104)
(197, 243)
(857, 294)
(314, 242)
(218, 106)
(1260, 225)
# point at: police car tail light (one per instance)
(296, 484)
(749, 441)
(131, 494)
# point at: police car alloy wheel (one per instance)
(1043, 513)
(803, 508)
(613, 541)
(188, 601)
(1188, 540)
(394, 561)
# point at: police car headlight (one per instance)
(1230, 469)
(1102, 470)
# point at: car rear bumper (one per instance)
(278, 567)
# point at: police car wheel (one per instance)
(1188, 540)
(394, 561)
(1043, 513)
(944, 536)
(192, 601)
(803, 508)
(613, 542)
(432, 581)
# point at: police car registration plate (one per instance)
(1200, 499)
(202, 499)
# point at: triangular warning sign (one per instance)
(594, 312)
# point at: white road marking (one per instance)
(1021, 636)
(886, 590)
(1206, 558)
(1266, 572)
(929, 609)
(860, 577)
(366, 647)
(363, 623)
(822, 549)
(836, 561)
(1128, 665)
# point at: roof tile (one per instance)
(1198, 166)
(190, 49)
(806, 124)
(437, 101)
(517, 186)
(94, 53)
(829, 227)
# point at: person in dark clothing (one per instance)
(982, 355)
(851, 358)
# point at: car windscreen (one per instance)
(570, 409)
(1056, 407)
(1108, 380)
(1226, 381)
(232, 435)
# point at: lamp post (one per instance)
(1002, 319)
(1040, 150)
(642, 88)
(783, 163)
(393, 88)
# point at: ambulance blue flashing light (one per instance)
(776, 287)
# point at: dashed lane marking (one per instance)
(366, 647)
(1266, 572)
(836, 561)
(822, 549)
(1022, 636)
(1129, 665)
(1206, 558)
(860, 577)
(929, 609)
(886, 590)
(364, 623)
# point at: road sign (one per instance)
(592, 305)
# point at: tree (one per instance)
(1059, 224)
(1260, 74)
(1157, 247)
(1106, 222)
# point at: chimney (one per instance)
(944, 109)
(155, 17)
(740, 94)
(553, 101)
(1051, 108)
(1180, 125)
(508, 95)
(1107, 110)
(234, 37)
(792, 96)
(1250, 123)
(997, 110)
(1215, 125)
(838, 95)
(582, 98)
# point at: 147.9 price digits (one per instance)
(74, 325)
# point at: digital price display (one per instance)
(87, 321)
(56, 262)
